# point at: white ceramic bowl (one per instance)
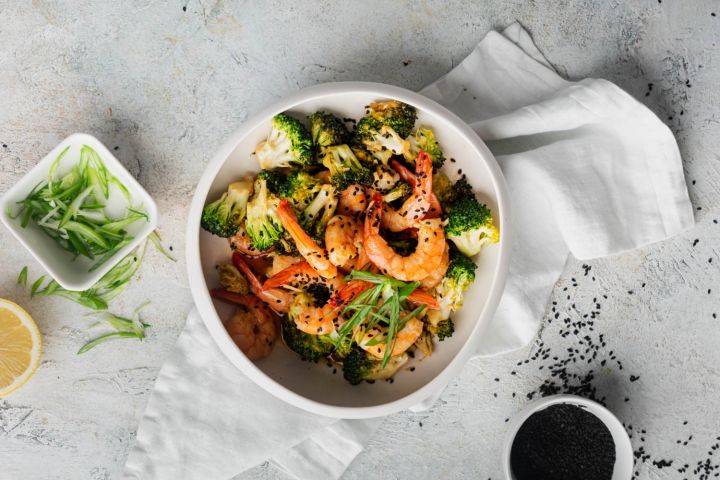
(623, 448)
(314, 387)
(74, 274)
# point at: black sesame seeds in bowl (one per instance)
(566, 437)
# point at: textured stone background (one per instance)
(166, 82)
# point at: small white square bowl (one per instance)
(73, 273)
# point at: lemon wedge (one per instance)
(20, 346)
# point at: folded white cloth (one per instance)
(591, 172)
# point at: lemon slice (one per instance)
(20, 346)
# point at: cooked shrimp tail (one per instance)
(315, 256)
(417, 205)
(300, 275)
(408, 177)
(422, 297)
(278, 300)
(349, 292)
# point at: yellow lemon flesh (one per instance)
(20, 346)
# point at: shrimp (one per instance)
(278, 300)
(241, 242)
(280, 263)
(355, 287)
(311, 319)
(301, 275)
(253, 328)
(408, 177)
(424, 261)
(315, 256)
(341, 239)
(435, 277)
(363, 261)
(418, 204)
(406, 337)
(353, 200)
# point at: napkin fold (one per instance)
(591, 172)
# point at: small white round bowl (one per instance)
(314, 387)
(623, 448)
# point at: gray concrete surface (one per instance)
(166, 82)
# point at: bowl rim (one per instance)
(40, 170)
(623, 448)
(200, 291)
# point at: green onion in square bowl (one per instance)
(78, 212)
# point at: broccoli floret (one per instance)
(442, 188)
(327, 130)
(289, 143)
(231, 279)
(276, 180)
(458, 277)
(358, 365)
(396, 115)
(297, 186)
(400, 192)
(345, 168)
(224, 216)
(362, 154)
(263, 224)
(301, 188)
(310, 347)
(470, 223)
(382, 141)
(314, 218)
(424, 139)
(445, 329)
(461, 269)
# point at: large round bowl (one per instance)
(317, 387)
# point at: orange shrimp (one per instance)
(280, 263)
(353, 200)
(408, 177)
(435, 277)
(311, 319)
(241, 242)
(406, 337)
(300, 275)
(279, 300)
(253, 328)
(418, 204)
(341, 239)
(421, 263)
(315, 256)
(355, 287)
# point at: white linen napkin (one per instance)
(591, 172)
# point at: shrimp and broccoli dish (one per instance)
(350, 244)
